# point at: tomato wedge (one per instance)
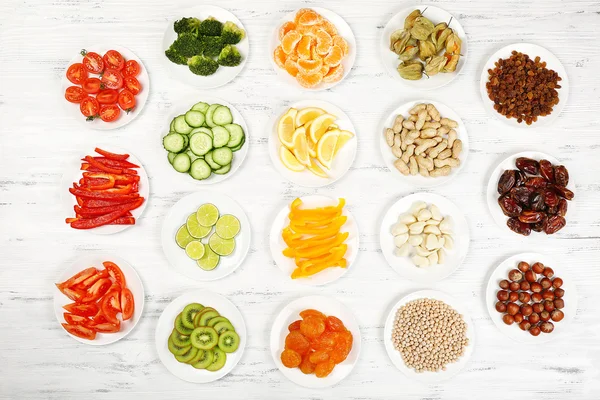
(73, 319)
(74, 294)
(97, 290)
(127, 304)
(107, 96)
(76, 73)
(115, 272)
(126, 100)
(83, 310)
(91, 85)
(106, 327)
(132, 68)
(92, 62)
(132, 84)
(92, 279)
(78, 277)
(111, 306)
(114, 59)
(112, 79)
(75, 94)
(80, 331)
(89, 107)
(109, 112)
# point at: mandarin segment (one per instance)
(299, 13)
(285, 28)
(303, 48)
(310, 17)
(329, 27)
(291, 67)
(341, 42)
(324, 70)
(310, 80)
(334, 57)
(290, 40)
(334, 74)
(279, 56)
(290, 358)
(309, 66)
(324, 42)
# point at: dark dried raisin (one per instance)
(561, 175)
(509, 206)
(507, 181)
(528, 165)
(555, 223)
(519, 227)
(546, 170)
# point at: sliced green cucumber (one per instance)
(186, 142)
(200, 106)
(209, 115)
(223, 170)
(236, 134)
(222, 116)
(181, 126)
(202, 130)
(239, 146)
(195, 119)
(200, 170)
(174, 142)
(171, 156)
(208, 158)
(182, 162)
(172, 125)
(200, 143)
(221, 136)
(193, 157)
(222, 156)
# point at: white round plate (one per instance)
(287, 265)
(178, 215)
(390, 59)
(164, 328)
(124, 118)
(418, 180)
(291, 313)
(341, 163)
(223, 75)
(344, 31)
(403, 265)
(513, 331)
(183, 106)
(132, 280)
(451, 369)
(532, 51)
(492, 190)
(73, 173)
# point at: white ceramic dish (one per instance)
(342, 161)
(451, 369)
(223, 75)
(164, 327)
(390, 59)
(124, 118)
(403, 265)
(344, 31)
(132, 280)
(291, 313)
(287, 265)
(418, 180)
(513, 331)
(532, 51)
(177, 217)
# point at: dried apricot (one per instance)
(334, 74)
(290, 40)
(326, 341)
(306, 366)
(334, 57)
(290, 358)
(319, 356)
(345, 340)
(310, 17)
(294, 326)
(335, 324)
(312, 312)
(291, 67)
(279, 57)
(303, 48)
(324, 42)
(312, 327)
(297, 342)
(340, 41)
(328, 27)
(309, 66)
(338, 355)
(285, 28)
(324, 368)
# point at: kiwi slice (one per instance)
(184, 330)
(180, 340)
(199, 355)
(188, 314)
(204, 338)
(205, 360)
(197, 317)
(223, 327)
(207, 316)
(219, 359)
(216, 320)
(188, 355)
(177, 350)
(228, 341)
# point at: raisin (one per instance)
(536, 182)
(550, 198)
(540, 226)
(536, 201)
(521, 194)
(531, 217)
(528, 165)
(563, 192)
(555, 224)
(509, 206)
(546, 170)
(561, 175)
(507, 181)
(519, 227)
(562, 207)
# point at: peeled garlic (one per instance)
(432, 229)
(406, 219)
(441, 241)
(422, 251)
(433, 258)
(424, 215)
(435, 213)
(420, 261)
(400, 239)
(415, 240)
(418, 206)
(416, 228)
(432, 222)
(449, 242)
(431, 242)
(399, 229)
(446, 225)
(403, 251)
(441, 256)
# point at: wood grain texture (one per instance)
(39, 361)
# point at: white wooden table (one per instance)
(37, 358)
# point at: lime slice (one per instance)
(228, 226)
(194, 250)
(183, 237)
(195, 229)
(210, 260)
(207, 214)
(222, 247)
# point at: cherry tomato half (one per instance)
(74, 94)
(107, 96)
(127, 304)
(76, 73)
(132, 68)
(112, 79)
(113, 59)
(80, 331)
(109, 112)
(93, 62)
(89, 107)
(91, 85)
(133, 84)
(126, 100)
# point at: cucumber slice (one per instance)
(239, 146)
(202, 130)
(182, 162)
(236, 134)
(193, 157)
(181, 126)
(174, 142)
(200, 170)
(222, 156)
(200, 143)
(209, 115)
(171, 156)
(195, 119)
(208, 158)
(221, 136)
(222, 116)
(186, 142)
(200, 106)
(223, 170)
(172, 125)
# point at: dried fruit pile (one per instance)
(539, 293)
(311, 49)
(534, 196)
(316, 344)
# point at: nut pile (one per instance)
(424, 233)
(539, 294)
(534, 196)
(429, 334)
(424, 143)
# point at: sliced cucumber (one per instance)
(236, 134)
(195, 119)
(202, 130)
(172, 125)
(171, 156)
(201, 106)
(222, 156)
(209, 114)
(200, 143)
(182, 162)
(239, 146)
(222, 116)
(193, 157)
(181, 126)
(186, 142)
(221, 136)
(174, 142)
(208, 158)
(223, 170)
(200, 169)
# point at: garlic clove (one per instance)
(441, 256)
(399, 229)
(433, 258)
(432, 229)
(400, 239)
(431, 242)
(403, 251)
(424, 215)
(420, 261)
(406, 219)
(416, 228)
(415, 240)
(417, 206)
(432, 222)
(449, 242)
(436, 213)
(422, 251)
(446, 225)
(441, 241)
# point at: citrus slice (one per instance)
(305, 115)
(343, 138)
(227, 226)
(332, 126)
(316, 169)
(183, 237)
(285, 28)
(194, 250)
(312, 148)
(286, 127)
(209, 260)
(289, 160)
(222, 247)
(207, 214)
(195, 229)
(326, 148)
(320, 125)
(300, 148)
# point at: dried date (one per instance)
(540, 226)
(509, 206)
(555, 223)
(550, 198)
(563, 192)
(521, 194)
(527, 165)
(536, 201)
(561, 175)
(562, 207)
(531, 217)
(507, 181)
(546, 170)
(518, 227)
(536, 182)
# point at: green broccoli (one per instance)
(232, 34)
(175, 57)
(230, 56)
(210, 27)
(187, 25)
(212, 45)
(202, 65)
(187, 45)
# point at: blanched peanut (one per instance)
(438, 139)
(389, 137)
(413, 166)
(424, 163)
(434, 125)
(401, 166)
(419, 124)
(456, 148)
(397, 140)
(411, 136)
(427, 143)
(443, 130)
(398, 124)
(453, 162)
(449, 122)
(444, 171)
(428, 133)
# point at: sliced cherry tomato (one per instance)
(73, 319)
(106, 327)
(114, 59)
(109, 112)
(83, 310)
(112, 79)
(91, 85)
(132, 68)
(126, 100)
(89, 107)
(76, 73)
(80, 331)
(107, 96)
(75, 94)
(115, 272)
(97, 290)
(127, 304)
(78, 278)
(133, 84)
(92, 62)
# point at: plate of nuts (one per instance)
(424, 143)
(530, 298)
(424, 237)
(424, 348)
(529, 192)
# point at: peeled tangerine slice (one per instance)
(286, 127)
(289, 160)
(326, 148)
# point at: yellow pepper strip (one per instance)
(336, 253)
(290, 237)
(314, 224)
(304, 240)
(315, 212)
(335, 225)
(294, 216)
(319, 250)
(299, 273)
(317, 241)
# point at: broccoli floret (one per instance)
(232, 34)
(175, 57)
(187, 25)
(210, 27)
(212, 45)
(230, 56)
(202, 65)
(187, 45)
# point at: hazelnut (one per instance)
(525, 325)
(526, 310)
(523, 266)
(536, 287)
(502, 295)
(559, 303)
(534, 318)
(535, 330)
(515, 275)
(557, 315)
(557, 282)
(549, 305)
(537, 267)
(514, 286)
(518, 318)
(537, 307)
(508, 319)
(547, 327)
(559, 292)
(513, 297)
(500, 307)
(525, 285)
(548, 272)
(545, 316)
(524, 297)
(504, 284)
(548, 295)
(512, 309)
(530, 276)
(536, 297)
(546, 283)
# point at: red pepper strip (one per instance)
(112, 156)
(107, 218)
(69, 220)
(102, 167)
(88, 167)
(127, 189)
(102, 194)
(114, 163)
(123, 221)
(98, 210)
(79, 200)
(118, 178)
(95, 185)
(92, 203)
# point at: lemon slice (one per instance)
(326, 148)
(315, 169)
(319, 126)
(194, 250)
(300, 148)
(209, 260)
(344, 137)
(289, 160)
(183, 237)
(227, 226)
(307, 114)
(207, 215)
(286, 127)
(312, 148)
(195, 229)
(222, 247)
(332, 126)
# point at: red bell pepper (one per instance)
(87, 167)
(126, 189)
(106, 218)
(102, 167)
(93, 203)
(102, 194)
(119, 179)
(114, 163)
(124, 221)
(87, 212)
(112, 156)
(102, 184)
